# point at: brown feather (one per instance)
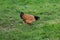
(29, 19)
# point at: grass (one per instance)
(47, 28)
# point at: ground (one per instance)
(47, 28)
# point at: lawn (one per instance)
(47, 28)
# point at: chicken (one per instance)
(27, 18)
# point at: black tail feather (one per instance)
(37, 18)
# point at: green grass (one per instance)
(47, 28)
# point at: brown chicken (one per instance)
(27, 18)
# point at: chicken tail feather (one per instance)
(37, 18)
